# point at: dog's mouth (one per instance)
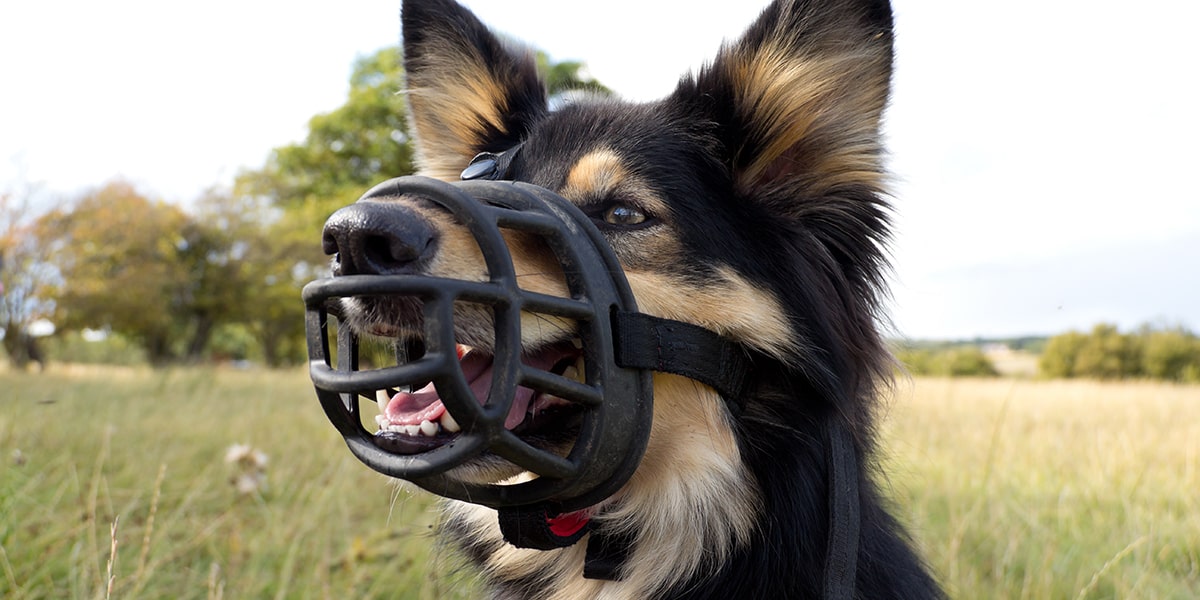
(411, 422)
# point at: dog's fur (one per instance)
(761, 185)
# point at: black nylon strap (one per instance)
(606, 552)
(646, 342)
(841, 553)
(530, 528)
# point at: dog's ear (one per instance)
(468, 91)
(797, 101)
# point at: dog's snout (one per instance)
(376, 238)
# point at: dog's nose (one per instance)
(376, 238)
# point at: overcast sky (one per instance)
(1045, 151)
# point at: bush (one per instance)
(1171, 354)
(957, 361)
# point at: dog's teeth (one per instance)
(448, 423)
(578, 343)
(571, 373)
(381, 421)
(412, 429)
(382, 399)
(428, 428)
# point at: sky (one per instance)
(1044, 153)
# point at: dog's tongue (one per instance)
(411, 408)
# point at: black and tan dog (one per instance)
(749, 202)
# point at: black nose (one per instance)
(377, 238)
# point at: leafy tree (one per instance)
(565, 78)
(120, 254)
(219, 262)
(1108, 354)
(1061, 354)
(345, 152)
(27, 281)
(1171, 354)
(968, 361)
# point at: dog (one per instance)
(750, 202)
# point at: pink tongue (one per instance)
(411, 408)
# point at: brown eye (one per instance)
(624, 215)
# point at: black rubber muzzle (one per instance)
(614, 403)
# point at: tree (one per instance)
(120, 257)
(969, 361)
(1061, 354)
(27, 281)
(1108, 354)
(346, 151)
(567, 78)
(1172, 354)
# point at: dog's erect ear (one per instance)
(798, 99)
(468, 92)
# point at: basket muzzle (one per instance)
(613, 404)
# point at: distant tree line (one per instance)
(1166, 353)
(222, 279)
(951, 360)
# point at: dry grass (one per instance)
(1015, 489)
(1024, 489)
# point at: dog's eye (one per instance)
(624, 215)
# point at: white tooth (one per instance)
(578, 343)
(412, 429)
(429, 428)
(380, 420)
(382, 399)
(571, 373)
(449, 424)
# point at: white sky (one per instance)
(1045, 151)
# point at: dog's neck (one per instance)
(686, 511)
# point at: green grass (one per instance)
(89, 451)
(1014, 489)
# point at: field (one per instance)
(114, 484)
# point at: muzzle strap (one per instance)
(841, 553)
(643, 341)
(535, 528)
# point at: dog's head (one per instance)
(748, 203)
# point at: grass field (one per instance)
(1015, 489)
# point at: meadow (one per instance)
(114, 484)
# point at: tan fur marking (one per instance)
(732, 307)
(602, 174)
(596, 174)
(452, 110)
(828, 104)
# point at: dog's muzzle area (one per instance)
(482, 380)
